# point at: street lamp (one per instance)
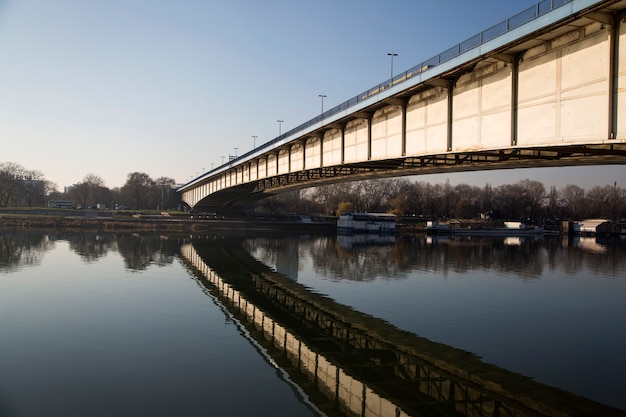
(235, 152)
(254, 141)
(279, 126)
(223, 160)
(391, 54)
(322, 97)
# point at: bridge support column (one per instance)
(404, 104)
(449, 87)
(369, 136)
(616, 22)
(277, 162)
(514, 97)
(322, 151)
(343, 143)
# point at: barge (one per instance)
(350, 223)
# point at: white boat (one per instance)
(366, 223)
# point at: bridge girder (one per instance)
(554, 156)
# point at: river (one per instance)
(287, 325)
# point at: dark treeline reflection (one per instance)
(141, 251)
(22, 249)
(19, 249)
(90, 246)
(526, 258)
(334, 258)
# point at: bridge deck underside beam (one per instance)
(430, 164)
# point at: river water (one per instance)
(284, 325)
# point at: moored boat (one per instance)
(366, 223)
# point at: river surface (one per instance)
(96, 324)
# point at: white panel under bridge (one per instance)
(545, 88)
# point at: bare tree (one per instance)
(606, 201)
(398, 205)
(535, 194)
(93, 180)
(553, 208)
(79, 192)
(138, 191)
(9, 184)
(486, 200)
(466, 201)
(600, 199)
(573, 201)
(98, 193)
(89, 192)
(33, 187)
(329, 196)
(19, 186)
(413, 196)
(165, 186)
(510, 202)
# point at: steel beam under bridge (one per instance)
(544, 88)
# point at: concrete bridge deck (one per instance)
(543, 88)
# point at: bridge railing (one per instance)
(475, 41)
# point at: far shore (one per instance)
(110, 221)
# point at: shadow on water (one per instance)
(349, 363)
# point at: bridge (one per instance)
(544, 88)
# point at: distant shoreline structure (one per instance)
(472, 229)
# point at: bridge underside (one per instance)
(557, 156)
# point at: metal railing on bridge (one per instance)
(475, 41)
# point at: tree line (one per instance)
(20, 187)
(526, 199)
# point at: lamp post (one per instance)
(223, 160)
(280, 122)
(235, 152)
(391, 54)
(322, 97)
(254, 141)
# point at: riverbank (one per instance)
(131, 222)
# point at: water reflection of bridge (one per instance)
(350, 363)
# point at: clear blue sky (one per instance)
(167, 88)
